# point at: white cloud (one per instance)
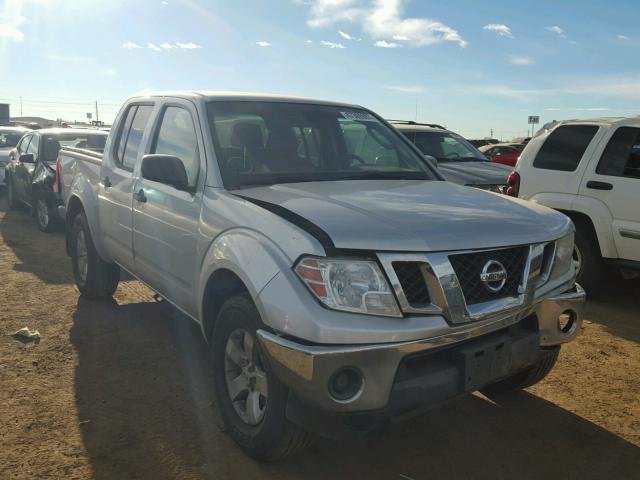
(594, 109)
(263, 43)
(11, 19)
(382, 19)
(385, 44)
(501, 29)
(557, 30)
(346, 36)
(188, 45)
(622, 37)
(400, 38)
(405, 88)
(166, 46)
(11, 32)
(552, 109)
(308, 41)
(153, 46)
(625, 87)
(520, 60)
(131, 45)
(331, 44)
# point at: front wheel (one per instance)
(251, 399)
(95, 278)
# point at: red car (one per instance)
(505, 154)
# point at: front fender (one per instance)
(250, 255)
(591, 207)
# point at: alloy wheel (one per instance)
(42, 211)
(245, 377)
(577, 259)
(82, 260)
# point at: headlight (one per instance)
(348, 285)
(563, 261)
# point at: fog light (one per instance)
(566, 321)
(345, 384)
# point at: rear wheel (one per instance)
(44, 216)
(95, 278)
(528, 377)
(251, 399)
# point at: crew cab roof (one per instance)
(633, 120)
(241, 96)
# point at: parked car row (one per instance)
(338, 280)
(30, 171)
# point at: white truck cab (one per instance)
(590, 170)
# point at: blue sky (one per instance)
(472, 66)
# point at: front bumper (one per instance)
(308, 369)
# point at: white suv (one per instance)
(589, 170)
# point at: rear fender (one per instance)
(82, 191)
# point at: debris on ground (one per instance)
(27, 335)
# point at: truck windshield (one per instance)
(446, 146)
(263, 143)
(9, 139)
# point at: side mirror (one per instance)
(433, 163)
(26, 158)
(165, 169)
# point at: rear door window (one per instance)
(621, 157)
(565, 147)
(130, 136)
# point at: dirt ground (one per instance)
(122, 390)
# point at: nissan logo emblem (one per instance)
(493, 276)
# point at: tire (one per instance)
(11, 195)
(273, 437)
(528, 377)
(591, 270)
(43, 214)
(95, 278)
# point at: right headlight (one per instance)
(350, 285)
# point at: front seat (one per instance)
(248, 138)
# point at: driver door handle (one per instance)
(106, 182)
(140, 196)
(599, 185)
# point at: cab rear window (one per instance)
(565, 147)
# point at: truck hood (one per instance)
(409, 215)
(475, 173)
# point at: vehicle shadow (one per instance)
(41, 254)
(145, 402)
(617, 307)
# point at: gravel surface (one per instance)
(121, 390)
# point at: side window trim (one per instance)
(601, 164)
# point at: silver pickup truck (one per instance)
(338, 280)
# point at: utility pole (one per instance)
(97, 118)
(491, 135)
(416, 110)
(20, 105)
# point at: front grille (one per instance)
(468, 267)
(412, 282)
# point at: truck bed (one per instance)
(75, 164)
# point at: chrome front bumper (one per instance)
(308, 369)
